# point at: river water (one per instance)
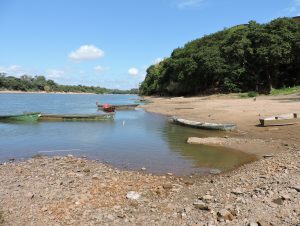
(134, 139)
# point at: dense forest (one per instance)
(250, 57)
(40, 83)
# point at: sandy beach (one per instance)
(77, 191)
(244, 112)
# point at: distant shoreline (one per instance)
(37, 92)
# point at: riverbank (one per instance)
(77, 191)
(244, 112)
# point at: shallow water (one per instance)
(135, 139)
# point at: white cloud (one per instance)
(185, 4)
(86, 52)
(53, 73)
(15, 70)
(133, 71)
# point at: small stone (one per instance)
(133, 195)
(187, 209)
(44, 209)
(268, 156)
(225, 215)
(215, 171)
(241, 200)
(253, 224)
(86, 170)
(207, 198)
(95, 177)
(29, 195)
(237, 191)
(188, 182)
(110, 217)
(183, 215)
(201, 205)
(286, 197)
(278, 201)
(121, 215)
(167, 186)
(170, 174)
(296, 187)
(143, 168)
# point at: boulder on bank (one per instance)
(211, 140)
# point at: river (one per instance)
(135, 139)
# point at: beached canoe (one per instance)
(26, 117)
(143, 101)
(121, 107)
(203, 125)
(76, 117)
(279, 120)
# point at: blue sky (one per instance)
(111, 43)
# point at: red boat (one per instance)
(108, 108)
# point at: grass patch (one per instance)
(285, 91)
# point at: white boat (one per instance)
(204, 125)
(279, 120)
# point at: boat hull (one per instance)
(76, 117)
(204, 125)
(26, 117)
(121, 107)
(280, 120)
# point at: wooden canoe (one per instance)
(26, 117)
(203, 125)
(121, 107)
(279, 120)
(143, 101)
(76, 117)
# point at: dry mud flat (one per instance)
(77, 191)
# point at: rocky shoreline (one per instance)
(76, 191)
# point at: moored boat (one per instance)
(279, 120)
(108, 108)
(119, 107)
(143, 101)
(76, 117)
(25, 117)
(204, 125)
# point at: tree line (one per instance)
(250, 57)
(40, 83)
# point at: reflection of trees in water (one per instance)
(203, 155)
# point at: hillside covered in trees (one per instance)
(250, 57)
(40, 83)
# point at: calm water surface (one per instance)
(135, 139)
